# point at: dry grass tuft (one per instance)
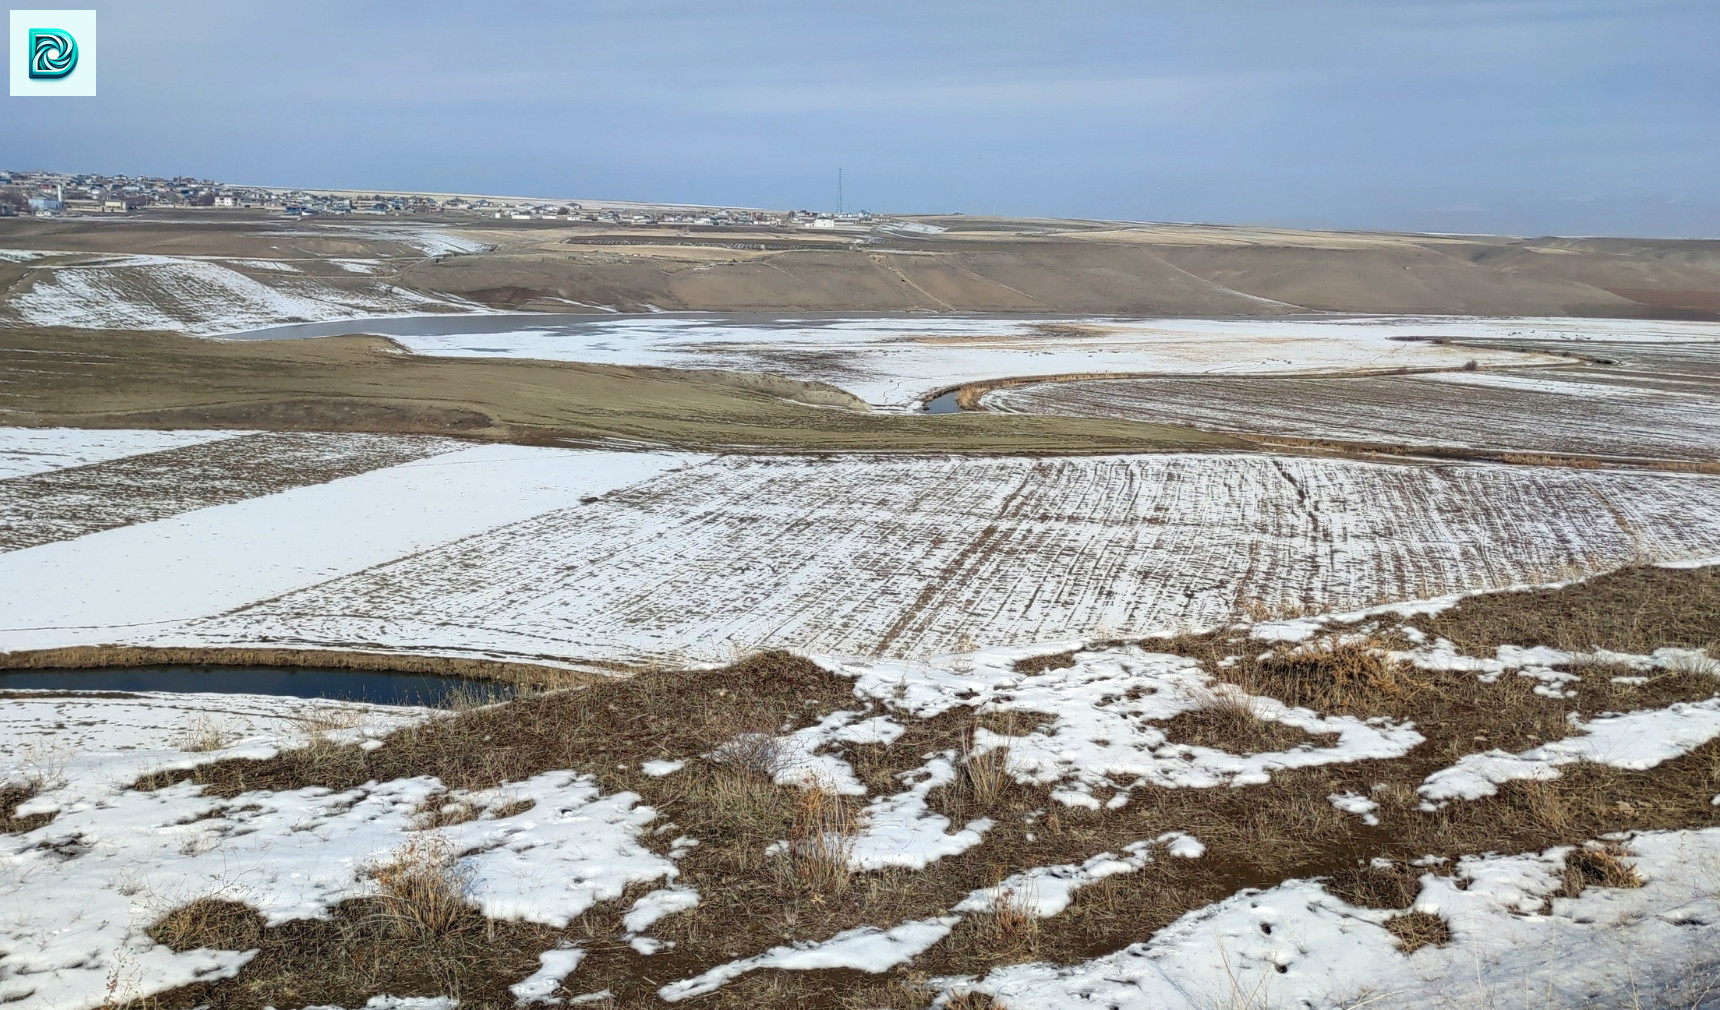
(1332, 676)
(1009, 930)
(422, 892)
(1415, 930)
(1607, 687)
(755, 755)
(821, 838)
(203, 734)
(1040, 664)
(1378, 885)
(13, 796)
(984, 774)
(1230, 723)
(1597, 866)
(212, 923)
(1635, 609)
(971, 1000)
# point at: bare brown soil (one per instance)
(979, 265)
(410, 940)
(1012, 266)
(88, 378)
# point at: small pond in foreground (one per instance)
(296, 682)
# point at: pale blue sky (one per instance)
(1524, 116)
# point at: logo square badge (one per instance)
(53, 53)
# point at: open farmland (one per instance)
(578, 556)
(201, 296)
(68, 502)
(1544, 412)
(899, 363)
(1078, 699)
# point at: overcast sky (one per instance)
(1518, 116)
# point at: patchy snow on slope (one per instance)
(79, 893)
(540, 986)
(195, 296)
(1093, 728)
(896, 362)
(357, 266)
(1633, 740)
(1520, 411)
(900, 830)
(1297, 945)
(81, 749)
(24, 451)
(866, 949)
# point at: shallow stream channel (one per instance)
(296, 682)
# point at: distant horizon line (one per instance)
(600, 202)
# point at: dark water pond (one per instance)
(943, 404)
(297, 682)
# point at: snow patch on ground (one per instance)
(83, 749)
(25, 451)
(1297, 945)
(80, 892)
(540, 986)
(357, 266)
(900, 830)
(1045, 891)
(1093, 727)
(1633, 740)
(867, 949)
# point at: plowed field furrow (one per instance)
(1579, 412)
(40, 508)
(915, 557)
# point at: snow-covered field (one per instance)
(580, 555)
(153, 475)
(897, 362)
(199, 296)
(119, 583)
(25, 451)
(1659, 403)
